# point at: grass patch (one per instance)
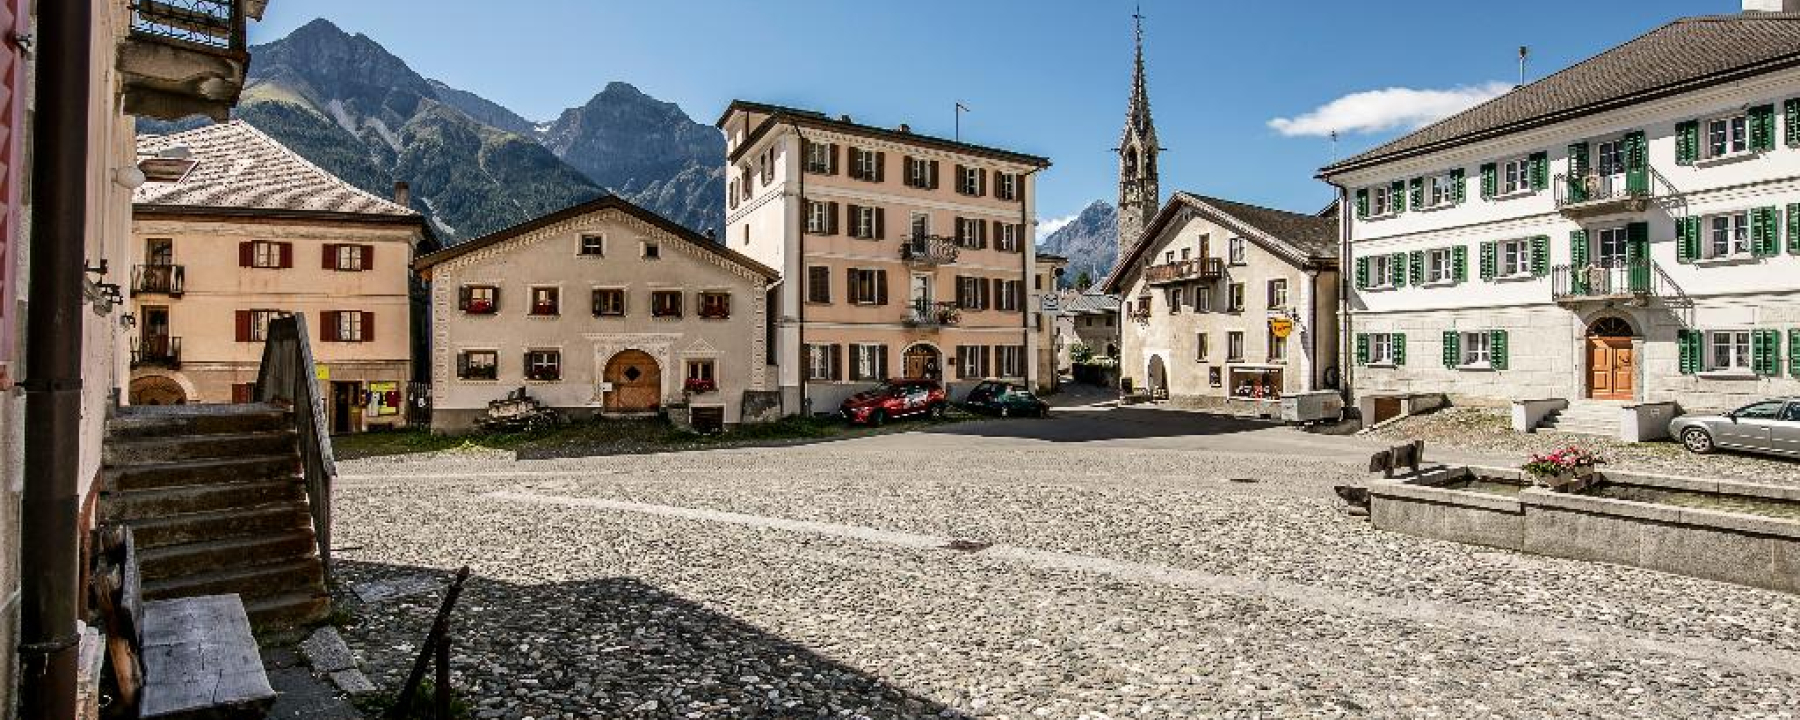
(378, 705)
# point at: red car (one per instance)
(895, 399)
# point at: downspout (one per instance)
(1312, 324)
(800, 292)
(1346, 338)
(51, 505)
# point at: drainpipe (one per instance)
(51, 505)
(802, 361)
(1346, 337)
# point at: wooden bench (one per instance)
(180, 659)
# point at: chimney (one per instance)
(845, 118)
(905, 128)
(1771, 6)
(402, 194)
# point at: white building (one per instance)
(1626, 230)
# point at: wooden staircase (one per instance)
(216, 501)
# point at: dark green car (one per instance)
(1006, 400)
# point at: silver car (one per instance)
(1767, 426)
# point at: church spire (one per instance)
(1139, 193)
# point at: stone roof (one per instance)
(239, 167)
(1089, 303)
(1683, 55)
(1300, 237)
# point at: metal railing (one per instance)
(157, 351)
(205, 24)
(925, 313)
(1606, 279)
(1183, 270)
(929, 250)
(1594, 189)
(287, 378)
(158, 279)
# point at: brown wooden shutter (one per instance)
(368, 326)
(837, 362)
(981, 182)
(934, 175)
(287, 254)
(329, 257)
(880, 167)
(961, 233)
(246, 254)
(880, 223)
(961, 299)
(962, 184)
(368, 258)
(850, 286)
(328, 326)
(999, 292)
(462, 298)
(881, 287)
(981, 235)
(243, 326)
(855, 223)
(832, 161)
(462, 364)
(831, 218)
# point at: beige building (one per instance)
(604, 308)
(1086, 320)
(252, 232)
(1043, 320)
(902, 255)
(1228, 301)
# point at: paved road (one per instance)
(1102, 564)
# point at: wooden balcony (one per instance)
(1199, 270)
(186, 57)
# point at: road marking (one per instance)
(1312, 597)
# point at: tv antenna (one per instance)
(960, 109)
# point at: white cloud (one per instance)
(1047, 227)
(1381, 110)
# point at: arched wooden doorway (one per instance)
(1611, 365)
(636, 382)
(157, 390)
(923, 361)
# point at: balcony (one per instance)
(158, 280)
(1203, 269)
(1632, 281)
(1595, 194)
(186, 57)
(928, 250)
(927, 314)
(157, 351)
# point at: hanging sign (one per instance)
(1281, 327)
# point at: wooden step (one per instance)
(219, 525)
(163, 502)
(248, 468)
(288, 610)
(120, 452)
(138, 423)
(172, 561)
(253, 583)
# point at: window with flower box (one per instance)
(478, 300)
(701, 376)
(478, 365)
(715, 305)
(609, 302)
(545, 301)
(543, 365)
(665, 304)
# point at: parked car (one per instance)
(895, 399)
(1767, 426)
(1006, 400)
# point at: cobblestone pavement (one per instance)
(1116, 568)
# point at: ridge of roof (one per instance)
(780, 113)
(1304, 237)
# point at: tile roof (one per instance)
(781, 114)
(1683, 55)
(242, 168)
(1301, 237)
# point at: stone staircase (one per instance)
(217, 504)
(1585, 417)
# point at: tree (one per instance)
(1084, 281)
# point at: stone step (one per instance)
(121, 452)
(288, 609)
(247, 468)
(219, 525)
(184, 499)
(186, 559)
(134, 423)
(252, 583)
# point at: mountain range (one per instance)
(474, 166)
(1090, 242)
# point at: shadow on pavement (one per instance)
(1114, 424)
(610, 647)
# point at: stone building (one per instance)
(1089, 320)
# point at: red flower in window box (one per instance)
(715, 313)
(700, 385)
(480, 307)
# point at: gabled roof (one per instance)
(1302, 239)
(1684, 55)
(1088, 303)
(604, 202)
(242, 169)
(782, 115)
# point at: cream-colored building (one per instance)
(1224, 300)
(902, 255)
(1050, 340)
(253, 232)
(602, 309)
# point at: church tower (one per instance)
(1139, 194)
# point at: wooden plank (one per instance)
(200, 658)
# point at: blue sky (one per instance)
(1048, 77)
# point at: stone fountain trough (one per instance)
(1737, 532)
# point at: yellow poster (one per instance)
(1281, 327)
(322, 371)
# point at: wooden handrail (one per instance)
(287, 377)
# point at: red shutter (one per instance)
(329, 256)
(246, 254)
(328, 326)
(368, 326)
(243, 326)
(287, 254)
(368, 257)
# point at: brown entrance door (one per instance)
(1610, 368)
(636, 382)
(922, 362)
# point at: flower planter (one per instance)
(1568, 481)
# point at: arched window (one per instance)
(1131, 162)
(1610, 327)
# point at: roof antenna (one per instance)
(1524, 52)
(960, 109)
(1334, 146)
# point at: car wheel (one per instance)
(1005, 412)
(1697, 440)
(1043, 413)
(877, 419)
(939, 411)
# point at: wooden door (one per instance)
(636, 382)
(1610, 368)
(921, 362)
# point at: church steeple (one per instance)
(1140, 196)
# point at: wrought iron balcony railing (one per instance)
(928, 250)
(210, 24)
(1634, 279)
(1593, 193)
(186, 57)
(1201, 269)
(157, 351)
(167, 280)
(928, 314)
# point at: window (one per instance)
(665, 304)
(350, 325)
(715, 305)
(1278, 293)
(766, 168)
(652, 251)
(1439, 266)
(1176, 300)
(865, 222)
(265, 254)
(1200, 347)
(1381, 349)
(1730, 350)
(259, 323)
(594, 245)
(1186, 253)
(1215, 377)
(818, 218)
(1610, 159)
(478, 365)
(868, 362)
(971, 232)
(1440, 190)
(921, 225)
(545, 301)
(1728, 235)
(1169, 256)
(818, 362)
(1008, 239)
(1609, 246)
(1381, 271)
(1009, 360)
(1767, 410)
(1011, 295)
(866, 286)
(1727, 136)
(1476, 349)
(1234, 346)
(1236, 246)
(479, 300)
(1006, 186)
(865, 164)
(919, 173)
(609, 302)
(1277, 347)
(970, 182)
(349, 258)
(818, 284)
(1515, 258)
(159, 252)
(1234, 298)
(818, 158)
(543, 365)
(701, 375)
(1381, 201)
(1515, 176)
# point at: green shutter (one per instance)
(1459, 261)
(1762, 127)
(1540, 170)
(1497, 349)
(1362, 348)
(1578, 260)
(1415, 267)
(1637, 254)
(1791, 110)
(1397, 270)
(1456, 186)
(1397, 195)
(1687, 239)
(1399, 349)
(1764, 344)
(1417, 193)
(1362, 273)
(1793, 228)
(1578, 167)
(1637, 164)
(1540, 256)
(1687, 142)
(1490, 261)
(1688, 344)
(1765, 237)
(1490, 181)
(1794, 350)
(1362, 204)
(1452, 354)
